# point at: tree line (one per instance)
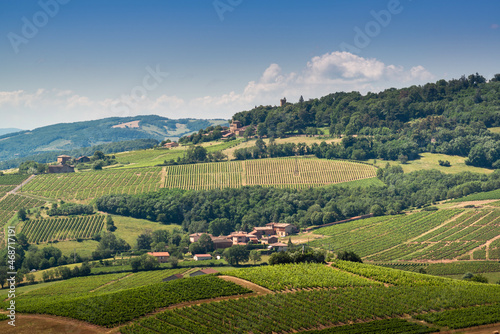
(222, 211)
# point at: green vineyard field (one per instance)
(12, 203)
(88, 185)
(61, 229)
(299, 276)
(279, 172)
(441, 235)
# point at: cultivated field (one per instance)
(448, 234)
(88, 185)
(61, 229)
(280, 172)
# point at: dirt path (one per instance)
(259, 290)
(438, 227)
(50, 324)
(13, 191)
(483, 202)
(163, 180)
(488, 243)
(243, 173)
(116, 280)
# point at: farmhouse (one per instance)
(201, 257)
(62, 159)
(282, 229)
(161, 256)
(82, 159)
(61, 169)
(171, 144)
(238, 130)
(222, 242)
(269, 240)
(206, 271)
(278, 246)
(196, 236)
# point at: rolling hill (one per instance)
(54, 139)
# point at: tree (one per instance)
(301, 99)
(220, 226)
(249, 132)
(255, 256)
(22, 241)
(377, 210)
(110, 224)
(144, 241)
(149, 262)
(403, 158)
(236, 254)
(98, 155)
(349, 256)
(196, 248)
(206, 243)
(21, 214)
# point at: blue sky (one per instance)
(71, 60)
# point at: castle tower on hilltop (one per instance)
(283, 102)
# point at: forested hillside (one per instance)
(450, 117)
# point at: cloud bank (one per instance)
(331, 72)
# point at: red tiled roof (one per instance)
(202, 255)
(159, 253)
(209, 271)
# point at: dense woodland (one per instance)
(226, 210)
(449, 117)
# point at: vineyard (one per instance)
(453, 268)
(441, 235)
(299, 276)
(205, 176)
(12, 179)
(89, 185)
(290, 312)
(109, 309)
(349, 293)
(279, 172)
(301, 172)
(61, 229)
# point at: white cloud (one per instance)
(331, 72)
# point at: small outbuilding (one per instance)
(206, 271)
(201, 257)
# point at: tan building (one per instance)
(282, 229)
(61, 169)
(171, 144)
(62, 159)
(161, 256)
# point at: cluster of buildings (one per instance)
(63, 165)
(267, 235)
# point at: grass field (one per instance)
(430, 161)
(130, 228)
(153, 157)
(295, 140)
(447, 234)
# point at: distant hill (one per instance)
(71, 136)
(8, 130)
